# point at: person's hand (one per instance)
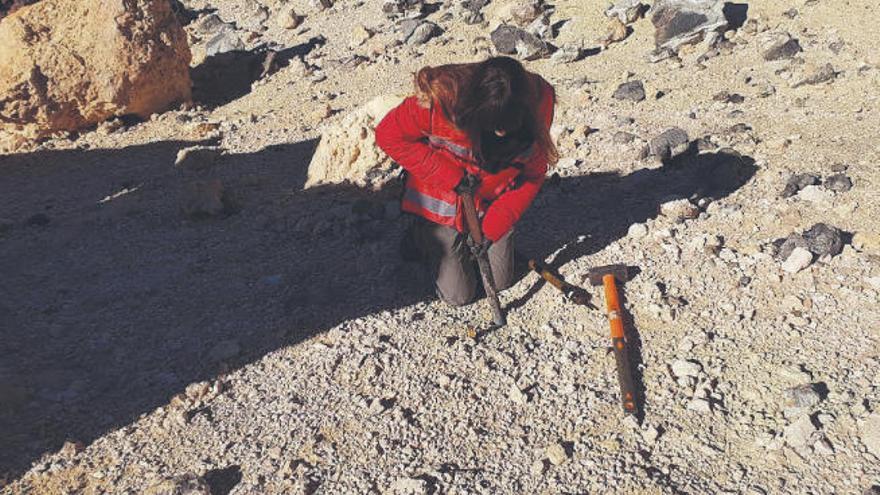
(468, 184)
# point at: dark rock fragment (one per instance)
(838, 183)
(797, 182)
(630, 90)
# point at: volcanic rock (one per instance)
(781, 46)
(630, 90)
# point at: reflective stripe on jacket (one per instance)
(436, 156)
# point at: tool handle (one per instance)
(476, 232)
(624, 375)
(612, 303)
(470, 216)
(546, 275)
(618, 343)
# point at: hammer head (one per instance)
(620, 273)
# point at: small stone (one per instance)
(198, 158)
(874, 490)
(616, 32)
(223, 42)
(517, 395)
(524, 13)
(377, 406)
(566, 54)
(511, 40)
(679, 210)
(800, 400)
(424, 32)
(838, 183)
(637, 230)
(780, 47)
(814, 194)
(799, 433)
(224, 350)
(817, 75)
(320, 5)
(698, 405)
(288, 18)
(727, 97)
(685, 22)
(359, 36)
(556, 454)
(669, 144)
(869, 433)
(627, 11)
(797, 182)
(802, 396)
(799, 259)
(630, 90)
(824, 240)
(683, 368)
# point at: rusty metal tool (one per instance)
(608, 276)
(475, 230)
(571, 292)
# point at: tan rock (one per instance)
(359, 36)
(348, 152)
(67, 64)
(617, 32)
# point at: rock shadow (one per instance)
(116, 302)
(227, 76)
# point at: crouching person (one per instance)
(486, 122)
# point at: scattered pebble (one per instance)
(556, 454)
(799, 259)
(630, 90)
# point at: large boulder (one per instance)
(348, 152)
(68, 64)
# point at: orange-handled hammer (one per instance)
(608, 276)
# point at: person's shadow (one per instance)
(112, 302)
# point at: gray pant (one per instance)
(455, 272)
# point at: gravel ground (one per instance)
(280, 346)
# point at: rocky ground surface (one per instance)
(179, 315)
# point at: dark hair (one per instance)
(480, 98)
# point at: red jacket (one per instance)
(437, 155)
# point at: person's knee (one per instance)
(505, 280)
(459, 296)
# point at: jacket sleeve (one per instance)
(507, 209)
(402, 135)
